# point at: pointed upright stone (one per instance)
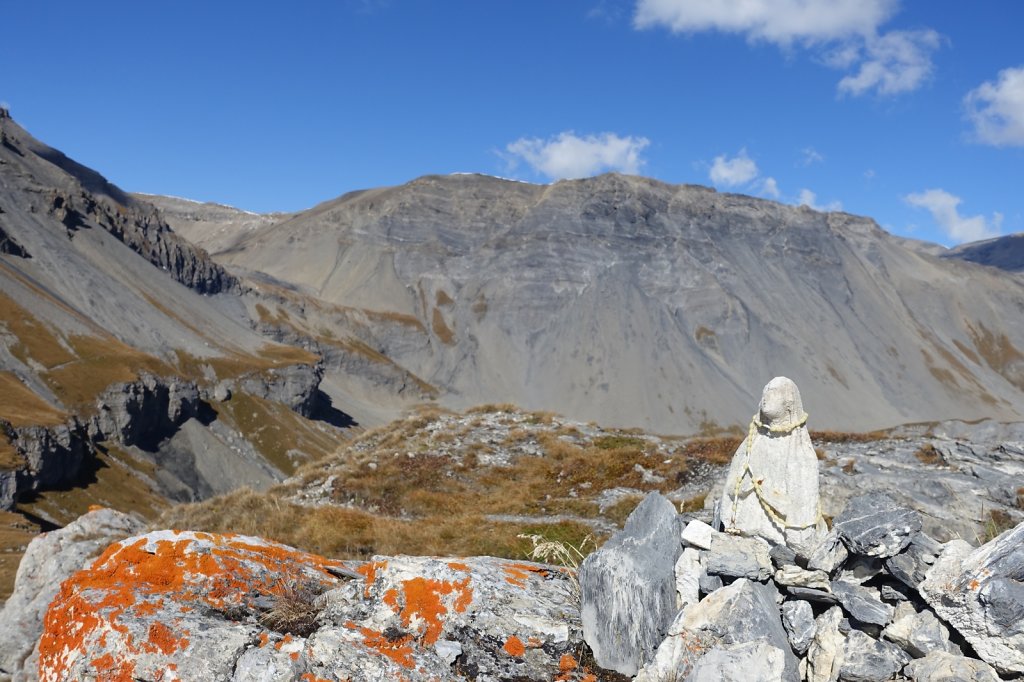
(771, 490)
(628, 587)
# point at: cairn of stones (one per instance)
(763, 591)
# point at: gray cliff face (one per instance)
(632, 302)
(114, 330)
(79, 198)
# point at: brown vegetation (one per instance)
(928, 454)
(22, 407)
(441, 483)
(847, 436)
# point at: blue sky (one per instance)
(910, 112)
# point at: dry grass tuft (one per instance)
(295, 610)
(928, 454)
(847, 436)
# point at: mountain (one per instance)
(1005, 253)
(633, 302)
(130, 372)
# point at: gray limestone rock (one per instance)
(917, 633)
(798, 619)
(709, 583)
(743, 662)
(869, 660)
(896, 593)
(862, 603)
(939, 666)
(735, 556)
(743, 611)
(911, 565)
(794, 576)
(812, 595)
(825, 655)
(628, 587)
(688, 571)
(829, 554)
(874, 525)
(980, 592)
(49, 560)
(860, 569)
(698, 534)
(782, 556)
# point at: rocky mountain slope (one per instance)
(130, 372)
(1005, 253)
(636, 303)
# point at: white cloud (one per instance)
(944, 209)
(810, 200)
(770, 188)
(739, 170)
(997, 109)
(846, 34)
(899, 61)
(811, 156)
(777, 21)
(567, 155)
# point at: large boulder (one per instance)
(193, 606)
(628, 587)
(741, 612)
(771, 490)
(980, 592)
(49, 560)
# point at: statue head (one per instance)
(781, 407)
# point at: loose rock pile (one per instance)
(873, 599)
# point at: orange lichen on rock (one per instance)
(369, 571)
(517, 574)
(143, 577)
(458, 566)
(398, 649)
(425, 603)
(514, 647)
(162, 639)
(567, 662)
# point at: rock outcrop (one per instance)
(50, 559)
(239, 608)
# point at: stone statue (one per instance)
(772, 487)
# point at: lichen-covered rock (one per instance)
(771, 490)
(50, 559)
(192, 606)
(980, 592)
(628, 587)
(874, 525)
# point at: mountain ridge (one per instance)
(718, 277)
